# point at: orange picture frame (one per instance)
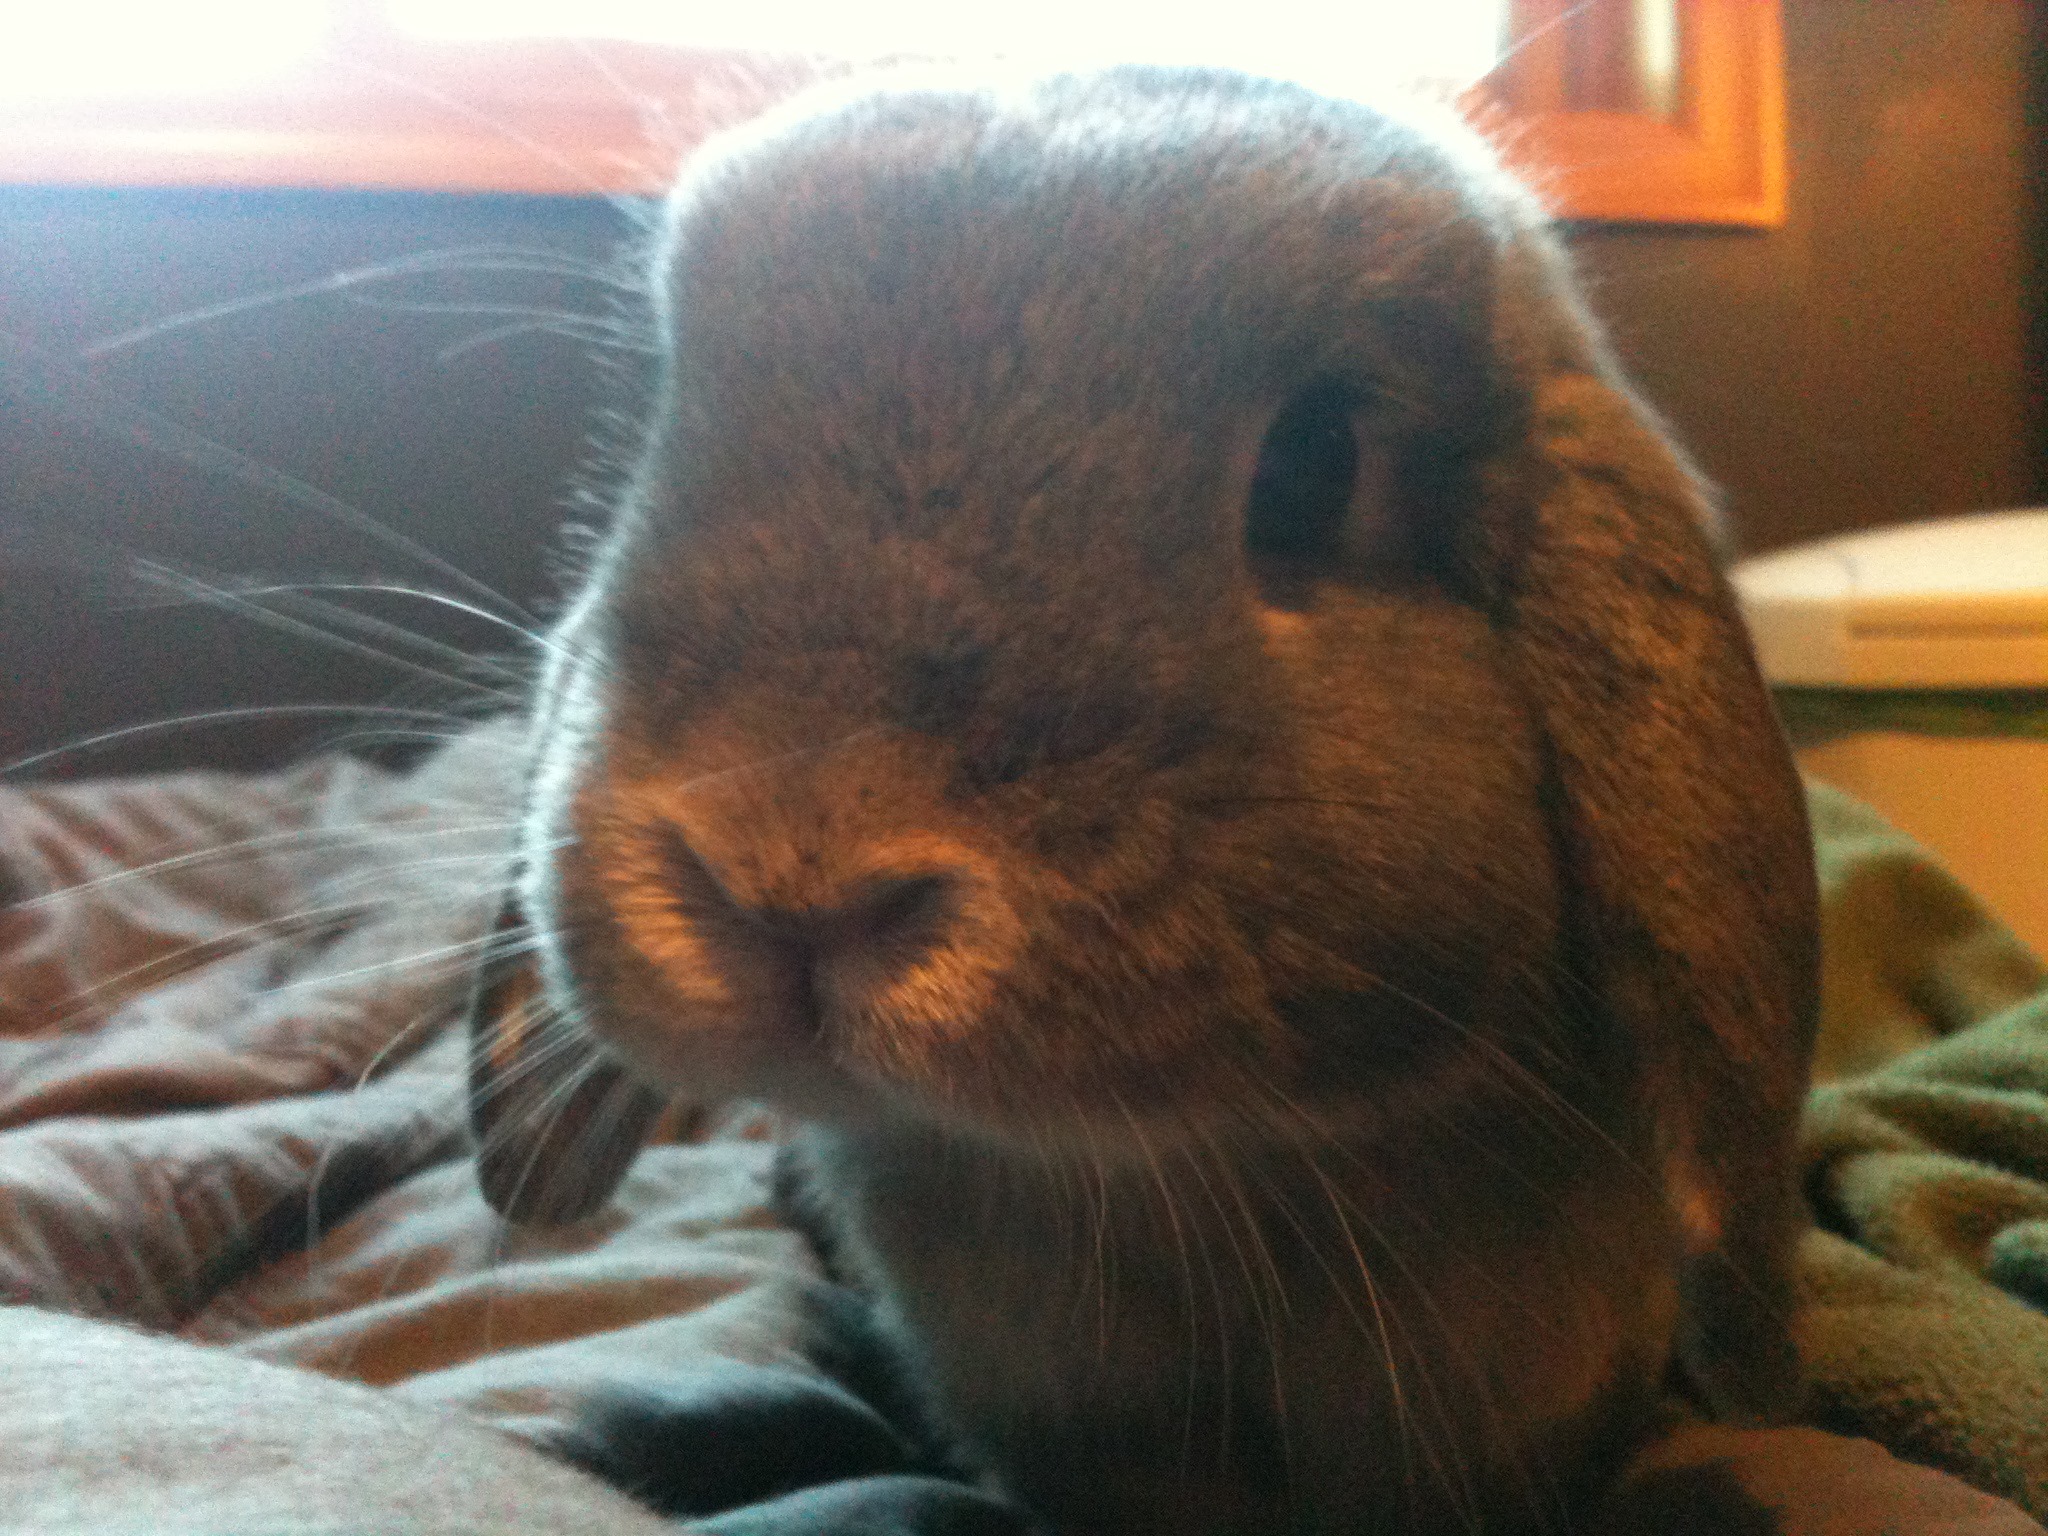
(1714, 155)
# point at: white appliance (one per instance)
(1915, 648)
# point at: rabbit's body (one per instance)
(1261, 1339)
(1154, 695)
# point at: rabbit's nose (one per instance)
(877, 929)
(891, 914)
(820, 944)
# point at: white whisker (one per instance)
(207, 717)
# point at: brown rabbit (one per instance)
(1157, 695)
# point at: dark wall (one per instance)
(405, 399)
(1870, 362)
(1866, 363)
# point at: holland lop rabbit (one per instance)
(1157, 696)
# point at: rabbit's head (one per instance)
(1145, 611)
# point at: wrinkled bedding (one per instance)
(230, 1107)
(232, 1110)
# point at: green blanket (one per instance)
(1925, 1285)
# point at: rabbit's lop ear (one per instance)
(1683, 837)
(557, 1121)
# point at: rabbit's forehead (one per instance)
(1050, 256)
(1035, 326)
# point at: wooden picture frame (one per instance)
(1574, 117)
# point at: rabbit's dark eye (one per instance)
(1321, 503)
(1302, 488)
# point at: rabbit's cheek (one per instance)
(1423, 780)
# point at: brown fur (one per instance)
(1297, 1028)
